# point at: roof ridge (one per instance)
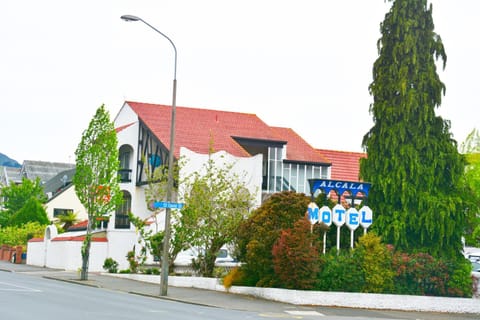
(193, 108)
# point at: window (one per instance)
(121, 214)
(61, 212)
(124, 156)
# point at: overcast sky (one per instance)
(303, 64)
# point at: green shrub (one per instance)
(341, 272)
(155, 271)
(461, 283)
(110, 265)
(125, 271)
(19, 235)
(376, 262)
(132, 261)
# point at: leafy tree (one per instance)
(96, 175)
(418, 192)
(471, 149)
(216, 202)
(257, 235)
(32, 211)
(471, 143)
(156, 190)
(17, 195)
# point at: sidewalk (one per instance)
(188, 290)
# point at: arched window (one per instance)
(121, 214)
(124, 156)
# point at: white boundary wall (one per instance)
(323, 298)
(63, 252)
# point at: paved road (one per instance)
(102, 296)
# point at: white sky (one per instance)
(303, 64)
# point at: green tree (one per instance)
(216, 202)
(418, 192)
(471, 149)
(96, 175)
(17, 195)
(156, 190)
(32, 211)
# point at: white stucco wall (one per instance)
(64, 251)
(248, 169)
(36, 253)
(119, 243)
(125, 116)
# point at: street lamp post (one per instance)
(166, 238)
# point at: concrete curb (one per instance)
(323, 298)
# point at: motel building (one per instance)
(269, 159)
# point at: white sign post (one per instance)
(352, 222)
(339, 220)
(326, 218)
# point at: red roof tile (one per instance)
(80, 238)
(195, 128)
(297, 148)
(345, 164)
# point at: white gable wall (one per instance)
(66, 200)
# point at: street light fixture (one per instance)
(166, 238)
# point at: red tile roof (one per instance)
(195, 128)
(80, 238)
(345, 164)
(297, 148)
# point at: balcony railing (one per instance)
(125, 175)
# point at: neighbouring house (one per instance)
(32, 169)
(273, 158)
(62, 199)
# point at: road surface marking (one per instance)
(304, 313)
(16, 288)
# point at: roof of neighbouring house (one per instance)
(32, 169)
(196, 128)
(10, 174)
(345, 164)
(59, 183)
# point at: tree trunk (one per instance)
(86, 250)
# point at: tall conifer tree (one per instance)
(413, 164)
